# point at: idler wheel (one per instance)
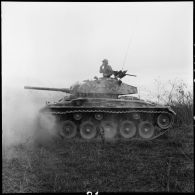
(68, 129)
(146, 129)
(88, 130)
(110, 129)
(98, 116)
(127, 129)
(164, 121)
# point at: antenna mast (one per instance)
(125, 57)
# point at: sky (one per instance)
(55, 44)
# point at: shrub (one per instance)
(178, 96)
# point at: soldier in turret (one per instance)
(106, 69)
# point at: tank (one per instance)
(105, 108)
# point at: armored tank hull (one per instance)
(92, 118)
(98, 108)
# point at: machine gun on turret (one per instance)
(120, 74)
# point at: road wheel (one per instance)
(146, 129)
(110, 129)
(88, 130)
(68, 129)
(164, 121)
(127, 129)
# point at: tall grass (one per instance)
(179, 97)
(181, 100)
(184, 114)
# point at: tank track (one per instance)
(101, 131)
(107, 111)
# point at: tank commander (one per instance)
(106, 69)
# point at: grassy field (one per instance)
(164, 165)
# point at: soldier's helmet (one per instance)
(105, 61)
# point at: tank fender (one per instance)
(78, 101)
(171, 110)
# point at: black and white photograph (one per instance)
(97, 97)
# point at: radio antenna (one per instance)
(125, 57)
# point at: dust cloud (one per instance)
(20, 113)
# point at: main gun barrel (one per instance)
(48, 89)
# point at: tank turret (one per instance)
(99, 88)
